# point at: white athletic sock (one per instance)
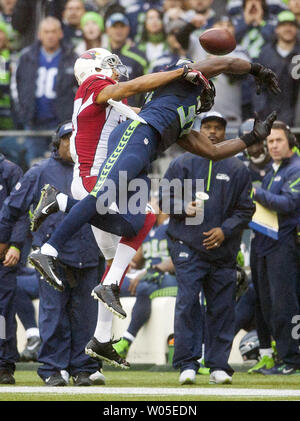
(32, 331)
(122, 259)
(128, 336)
(49, 250)
(62, 200)
(104, 324)
(266, 351)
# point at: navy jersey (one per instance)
(155, 246)
(171, 110)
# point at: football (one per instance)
(217, 41)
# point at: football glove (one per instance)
(153, 275)
(207, 98)
(261, 129)
(194, 76)
(264, 77)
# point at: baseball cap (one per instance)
(65, 129)
(115, 18)
(286, 16)
(95, 17)
(213, 115)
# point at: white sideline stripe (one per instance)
(65, 390)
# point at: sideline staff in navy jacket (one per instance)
(277, 261)
(66, 319)
(10, 174)
(204, 255)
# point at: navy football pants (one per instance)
(218, 284)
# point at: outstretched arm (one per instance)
(215, 66)
(199, 144)
(143, 83)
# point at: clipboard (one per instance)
(265, 221)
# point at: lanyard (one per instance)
(272, 179)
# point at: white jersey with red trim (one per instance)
(92, 125)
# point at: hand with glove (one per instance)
(153, 275)
(260, 131)
(264, 77)
(194, 76)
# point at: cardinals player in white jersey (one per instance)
(96, 113)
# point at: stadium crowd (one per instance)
(40, 41)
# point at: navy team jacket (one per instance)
(81, 249)
(230, 205)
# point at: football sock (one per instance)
(32, 331)
(129, 337)
(62, 200)
(126, 250)
(49, 250)
(104, 324)
(266, 351)
(105, 273)
(123, 257)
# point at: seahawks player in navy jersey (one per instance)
(169, 115)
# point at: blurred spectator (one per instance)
(92, 26)
(106, 7)
(294, 6)
(27, 15)
(252, 30)
(136, 14)
(117, 30)
(199, 17)
(72, 14)
(175, 52)
(234, 7)
(153, 40)
(6, 121)
(278, 56)
(229, 100)
(6, 11)
(46, 85)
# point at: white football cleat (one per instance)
(220, 377)
(187, 377)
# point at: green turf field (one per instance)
(134, 386)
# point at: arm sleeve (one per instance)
(285, 202)
(13, 217)
(244, 207)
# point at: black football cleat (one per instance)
(55, 380)
(105, 351)
(110, 297)
(6, 377)
(46, 206)
(82, 379)
(47, 267)
(30, 353)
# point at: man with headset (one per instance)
(277, 259)
(67, 319)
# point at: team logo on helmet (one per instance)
(89, 55)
